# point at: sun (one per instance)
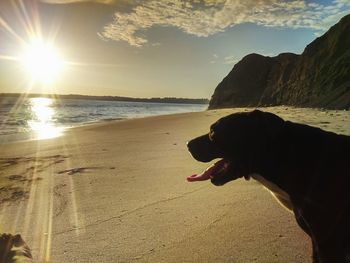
(41, 61)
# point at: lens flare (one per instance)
(41, 61)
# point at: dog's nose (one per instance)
(189, 143)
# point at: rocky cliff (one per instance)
(319, 77)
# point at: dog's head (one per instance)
(240, 140)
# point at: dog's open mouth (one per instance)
(216, 172)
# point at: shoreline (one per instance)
(28, 136)
(31, 134)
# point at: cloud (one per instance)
(204, 18)
(156, 44)
(230, 60)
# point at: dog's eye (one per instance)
(211, 135)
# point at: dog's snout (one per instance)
(202, 149)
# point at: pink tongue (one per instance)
(207, 173)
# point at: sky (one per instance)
(153, 48)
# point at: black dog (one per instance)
(305, 167)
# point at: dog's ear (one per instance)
(269, 123)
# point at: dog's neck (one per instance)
(282, 196)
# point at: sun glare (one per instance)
(42, 61)
(42, 123)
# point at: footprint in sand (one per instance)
(16, 177)
(37, 162)
(9, 194)
(77, 170)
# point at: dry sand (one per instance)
(116, 192)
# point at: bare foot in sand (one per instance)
(13, 249)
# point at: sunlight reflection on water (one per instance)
(42, 124)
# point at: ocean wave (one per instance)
(113, 119)
(18, 117)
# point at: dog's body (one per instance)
(306, 168)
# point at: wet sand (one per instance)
(117, 192)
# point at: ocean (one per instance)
(44, 118)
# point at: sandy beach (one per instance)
(117, 192)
